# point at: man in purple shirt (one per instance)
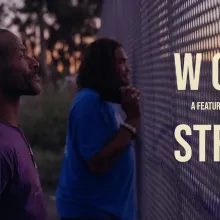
(21, 196)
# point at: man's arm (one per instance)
(6, 169)
(107, 157)
(95, 141)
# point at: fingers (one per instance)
(131, 92)
(130, 89)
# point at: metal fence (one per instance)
(152, 31)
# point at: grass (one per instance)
(44, 121)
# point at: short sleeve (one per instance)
(6, 168)
(92, 128)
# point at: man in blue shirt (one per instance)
(97, 178)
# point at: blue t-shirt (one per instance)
(80, 193)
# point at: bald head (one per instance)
(2, 31)
(7, 40)
(18, 71)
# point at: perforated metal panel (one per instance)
(152, 31)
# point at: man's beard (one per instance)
(20, 86)
(28, 90)
(122, 83)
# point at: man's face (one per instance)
(19, 76)
(122, 69)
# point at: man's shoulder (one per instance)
(88, 105)
(87, 95)
(7, 153)
(86, 99)
(8, 137)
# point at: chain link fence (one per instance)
(152, 31)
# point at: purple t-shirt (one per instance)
(21, 196)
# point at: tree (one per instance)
(38, 7)
(66, 20)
